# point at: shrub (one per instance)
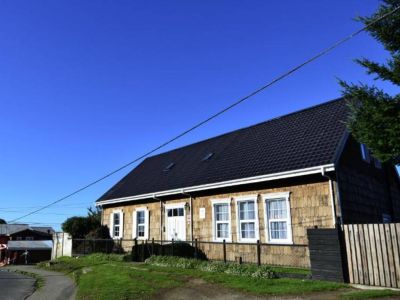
(264, 272)
(214, 266)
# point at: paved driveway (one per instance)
(57, 286)
(14, 286)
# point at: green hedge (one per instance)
(212, 266)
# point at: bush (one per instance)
(214, 266)
(178, 249)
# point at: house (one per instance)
(18, 239)
(269, 182)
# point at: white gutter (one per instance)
(223, 184)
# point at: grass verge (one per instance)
(369, 294)
(259, 286)
(100, 276)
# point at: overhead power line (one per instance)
(215, 115)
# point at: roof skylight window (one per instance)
(169, 167)
(208, 156)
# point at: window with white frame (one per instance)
(277, 215)
(140, 223)
(221, 220)
(365, 153)
(247, 219)
(116, 224)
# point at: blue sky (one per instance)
(86, 86)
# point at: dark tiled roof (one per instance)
(302, 139)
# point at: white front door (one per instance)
(176, 228)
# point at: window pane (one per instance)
(246, 210)
(169, 212)
(116, 230)
(277, 209)
(223, 230)
(278, 230)
(140, 230)
(247, 230)
(180, 212)
(221, 212)
(116, 218)
(140, 217)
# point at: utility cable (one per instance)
(215, 115)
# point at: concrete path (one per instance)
(14, 286)
(57, 286)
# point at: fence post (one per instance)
(142, 252)
(258, 253)
(195, 249)
(136, 250)
(161, 247)
(84, 246)
(224, 249)
(172, 248)
(152, 246)
(94, 245)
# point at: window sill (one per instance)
(280, 242)
(248, 241)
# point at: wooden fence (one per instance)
(373, 254)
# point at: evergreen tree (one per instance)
(375, 115)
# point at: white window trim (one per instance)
(214, 228)
(365, 154)
(146, 223)
(272, 196)
(256, 225)
(175, 205)
(121, 225)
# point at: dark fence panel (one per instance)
(327, 254)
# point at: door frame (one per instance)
(175, 205)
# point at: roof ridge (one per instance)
(249, 126)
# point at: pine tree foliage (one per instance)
(375, 115)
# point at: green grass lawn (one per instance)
(100, 276)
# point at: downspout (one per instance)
(191, 213)
(339, 199)
(331, 196)
(161, 216)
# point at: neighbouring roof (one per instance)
(43, 229)
(10, 229)
(30, 245)
(306, 138)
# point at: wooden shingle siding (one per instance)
(310, 206)
(366, 191)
